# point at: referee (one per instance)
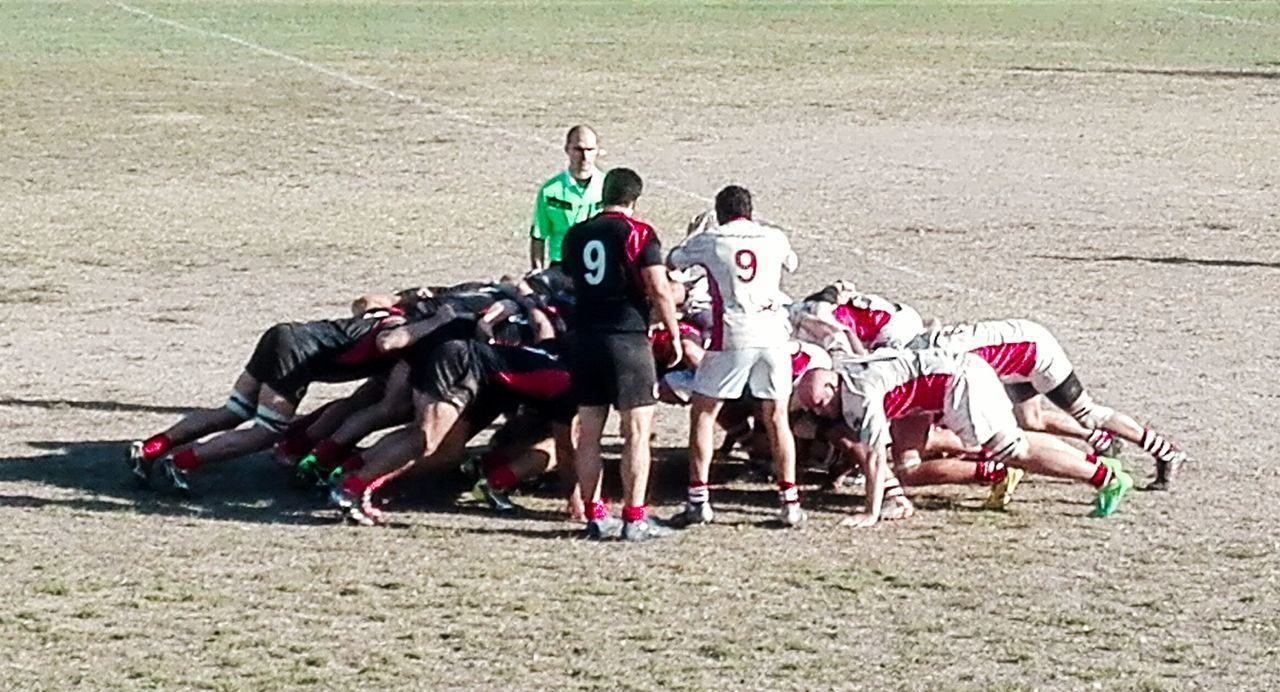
(571, 196)
(616, 265)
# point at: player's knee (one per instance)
(272, 420)
(1089, 413)
(239, 406)
(1009, 447)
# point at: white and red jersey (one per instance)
(1020, 351)
(873, 321)
(744, 262)
(959, 389)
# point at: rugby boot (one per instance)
(1110, 495)
(1001, 493)
(693, 514)
(309, 472)
(645, 530)
(792, 515)
(139, 465)
(174, 476)
(498, 500)
(1166, 471)
(604, 529)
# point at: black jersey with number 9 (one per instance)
(604, 255)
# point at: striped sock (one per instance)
(1100, 440)
(699, 493)
(1158, 447)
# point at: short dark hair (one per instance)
(733, 202)
(622, 186)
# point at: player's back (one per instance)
(603, 256)
(744, 263)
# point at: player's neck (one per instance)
(624, 209)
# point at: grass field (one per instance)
(176, 176)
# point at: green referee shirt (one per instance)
(561, 203)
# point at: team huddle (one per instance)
(852, 381)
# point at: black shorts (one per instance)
(613, 370)
(455, 372)
(292, 355)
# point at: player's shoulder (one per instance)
(554, 183)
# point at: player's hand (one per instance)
(394, 339)
(860, 521)
(677, 352)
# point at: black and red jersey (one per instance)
(604, 255)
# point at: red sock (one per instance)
(186, 460)
(1092, 458)
(989, 472)
(502, 478)
(353, 484)
(787, 493)
(632, 514)
(1101, 476)
(492, 460)
(355, 462)
(597, 510)
(156, 447)
(328, 453)
(295, 442)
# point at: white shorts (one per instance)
(976, 405)
(764, 373)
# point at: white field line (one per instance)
(461, 117)
(1218, 17)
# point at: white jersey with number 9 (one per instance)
(744, 262)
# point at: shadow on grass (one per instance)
(92, 405)
(1168, 259)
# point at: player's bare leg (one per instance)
(398, 453)
(777, 425)
(637, 426)
(394, 407)
(1032, 415)
(305, 432)
(273, 417)
(195, 425)
(1046, 455)
(1072, 398)
(703, 411)
(587, 454)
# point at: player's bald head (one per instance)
(579, 133)
(816, 393)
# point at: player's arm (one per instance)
(406, 335)
(566, 468)
(873, 446)
(386, 301)
(539, 231)
(537, 253)
(493, 316)
(693, 352)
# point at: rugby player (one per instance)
(615, 262)
(965, 393)
(1029, 361)
(287, 359)
(749, 353)
(841, 320)
(459, 388)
